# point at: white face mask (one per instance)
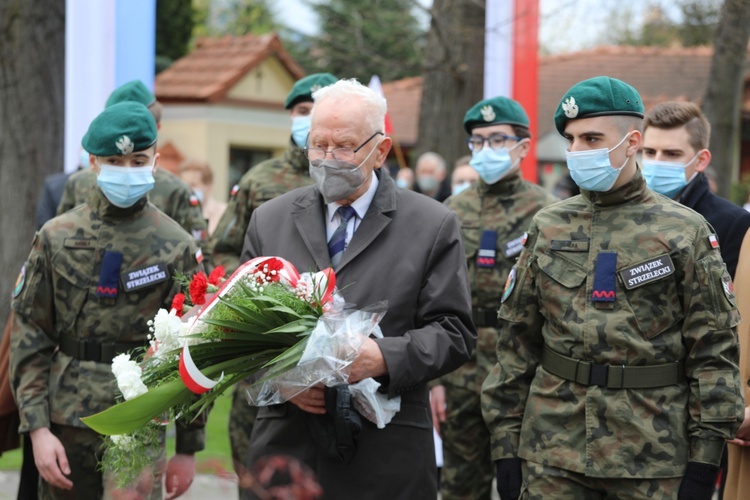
(592, 170)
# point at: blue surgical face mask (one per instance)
(83, 160)
(493, 164)
(123, 186)
(402, 183)
(460, 188)
(592, 170)
(300, 129)
(666, 177)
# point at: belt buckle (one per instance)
(598, 375)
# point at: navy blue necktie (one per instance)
(337, 243)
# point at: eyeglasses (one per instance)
(496, 141)
(342, 154)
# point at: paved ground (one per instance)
(204, 487)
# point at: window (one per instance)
(241, 160)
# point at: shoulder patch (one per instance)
(20, 281)
(199, 256)
(713, 241)
(194, 202)
(510, 283)
(728, 285)
(235, 188)
(647, 271)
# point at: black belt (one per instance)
(612, 376)
(89, 350)
(484, 317)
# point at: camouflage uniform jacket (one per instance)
(264, 181)
(170, 195)
(507, 208)
(686, 314)
(59, 298)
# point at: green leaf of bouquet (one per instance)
(293, 327)
(237, 325)
(284, 309)
(133, 414)
(247, 314)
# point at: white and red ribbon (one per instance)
(192, 376)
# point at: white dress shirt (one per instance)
(360, 206)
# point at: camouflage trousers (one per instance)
(542, 482)
(241, 421)
(467, 467)
(83, 448)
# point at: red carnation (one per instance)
(273, 265)
(178, 303)
(198, 288)
(215, 277)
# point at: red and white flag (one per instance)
(376, 87)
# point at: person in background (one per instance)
(495, 213)
(464, 176)
(170, 194)
(405, 178)
(75, 310)
(431, 176)
(198, 175)
(675, 157)
(52, 190)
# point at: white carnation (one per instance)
(166, 328)
(131, 385)
(128, 375)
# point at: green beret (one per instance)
(495, 111)
(599, 96)
(131, 91)
(120, 130)
(304, 88)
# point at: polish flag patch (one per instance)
(235, 188)
(199, 256)
(713, 241)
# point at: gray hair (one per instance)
(344, 89)
(434, 157)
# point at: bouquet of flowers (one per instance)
(292, 330)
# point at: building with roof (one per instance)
(660, 74)
(224, 104)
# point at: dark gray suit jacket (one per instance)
(407, 250)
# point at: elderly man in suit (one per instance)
(385, 244)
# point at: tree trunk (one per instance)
(453, 76)
(32, 90)
(722, 104)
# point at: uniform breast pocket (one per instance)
(656, 306)
(565, 288)
(71, 281)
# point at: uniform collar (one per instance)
(633, 190)
(295, 156)
(506, 185)
(106, 210)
